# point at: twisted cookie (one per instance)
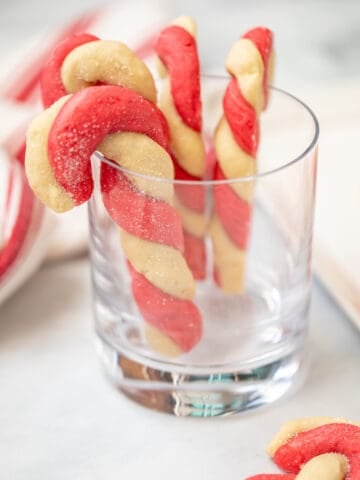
(236, 142)
(181, 104)
(132, 132)
(316, 448)
(309, 438)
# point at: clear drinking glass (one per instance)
(251, 349)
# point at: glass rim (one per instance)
(228, 181)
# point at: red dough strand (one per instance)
(180, 319)
(52, 87)
(230, 206)
(184, 70)
(263, 40)
(139, 214)
(195, 254)
(192, 196)
(242, 118)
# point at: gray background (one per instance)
(317, 41)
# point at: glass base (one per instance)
(201, 395)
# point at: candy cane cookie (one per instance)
(84, 60)
(132, 132)
(316, 448)
(249, 63)
(178, 65)
(302, 440)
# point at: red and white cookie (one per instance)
(236, 142)
(127, 129)
(316, 448)
(300, 441)
(180, 101)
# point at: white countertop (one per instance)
(60, 419)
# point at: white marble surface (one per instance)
(59, 418)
